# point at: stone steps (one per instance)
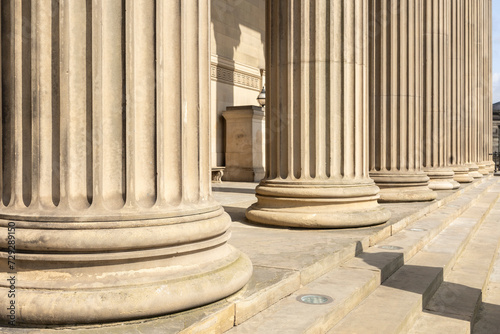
(394, 306)
(251, 301)
(457, 300)
(350, 283)
(488, 319)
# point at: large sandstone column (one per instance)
(317, 117)
(481, 89)
(490, 84)
(470, 91)
(105, 159)
(486, 92)
(456, 141)
(395, 86)
(436, 94)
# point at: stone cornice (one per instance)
(233, 73)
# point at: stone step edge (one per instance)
(389, 230)
(412, 315)
(403, 223)
(433, 206)
(372, 287)
(482, 322)
(461, 324)
(427, 237)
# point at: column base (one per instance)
(317, 205)
(64, 287)
(491, 167)
(441, 178)
(474, 170)
(403, 186)
(462, 174)
(483, 168)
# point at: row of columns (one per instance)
(105, 158)
(397, 92)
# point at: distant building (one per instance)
(496, 126)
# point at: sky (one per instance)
(496, 50)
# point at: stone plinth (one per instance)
(396, 101)
(245, 131)
(317, 118)
(106, 172)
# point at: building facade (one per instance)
(111, 123)
(496, 127)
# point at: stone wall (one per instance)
(496, 130)
(237, 62)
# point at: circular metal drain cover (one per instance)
(390, 247)
(418, 229)
(315, 299)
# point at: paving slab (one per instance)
(310, 253)
(430, 324)
(345, 287)
(266, 287)
(214, 318)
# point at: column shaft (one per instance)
(481, 89)
(317, 117)
(395, 102)
(490, 86)
(456, 141)
(470, 90)
(486, 95)
(106, 161)
(436, 94)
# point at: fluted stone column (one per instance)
(490, 85)
(317, 117)
(470, 91)
(486, 110)
(395, 87)
(105, 159)
(480, 92)
(436, 94)
(456, 141)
